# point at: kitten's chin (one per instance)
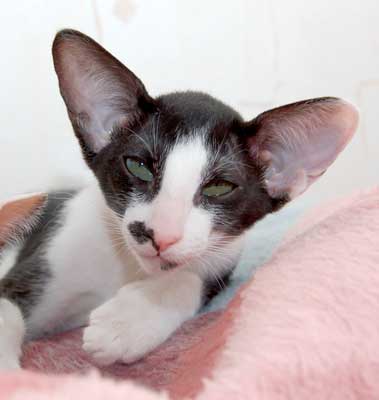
(150, 265)
(156, 264)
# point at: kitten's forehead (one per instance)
(184, 165)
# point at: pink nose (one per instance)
(164, 243)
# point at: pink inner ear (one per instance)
(298, 142)
(91, 92)
(100, 92)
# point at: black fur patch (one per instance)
(140, 233)
(26, 281)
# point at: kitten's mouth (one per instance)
(165, 265)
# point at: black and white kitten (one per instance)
(179, 180)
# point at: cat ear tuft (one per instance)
(99, 91)
(296, 143)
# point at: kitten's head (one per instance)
(183, 172)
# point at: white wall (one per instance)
(254, 54)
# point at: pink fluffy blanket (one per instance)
(305, 327)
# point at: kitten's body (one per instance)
(77, 264)
(179, 179)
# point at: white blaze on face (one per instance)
(181, 180)
(181, 229)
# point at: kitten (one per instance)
(179, 180)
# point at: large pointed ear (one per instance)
(296, 143)
(100, 93)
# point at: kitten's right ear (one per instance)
(99, 91)
(296, 143)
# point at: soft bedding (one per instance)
(305, 325)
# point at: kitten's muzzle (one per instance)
(161, 241)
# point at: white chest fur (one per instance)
(86, 266)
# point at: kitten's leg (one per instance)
(142, 316)
(12, 331)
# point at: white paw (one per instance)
(11, 335)
(128, 326)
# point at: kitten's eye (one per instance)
(218, 189)
(139, 170)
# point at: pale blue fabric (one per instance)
(261, 243)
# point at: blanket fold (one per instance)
(306, 326)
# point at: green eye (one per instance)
(218, 189)
(139, 170)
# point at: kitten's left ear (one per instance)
(99, 91)
(296, 143)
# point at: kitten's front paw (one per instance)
(127, 327)
(12, 331)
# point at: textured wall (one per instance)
(254, 54)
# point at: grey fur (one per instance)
(26, 280)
